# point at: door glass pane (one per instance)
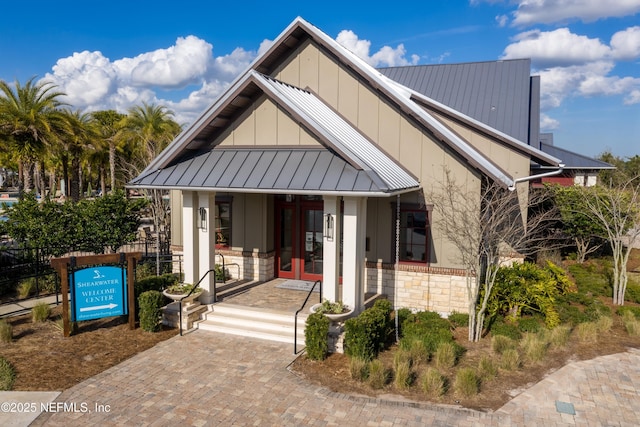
(286, 239)
(313, 241)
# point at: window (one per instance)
(414, 227)
(223, 222)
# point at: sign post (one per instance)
(97, 291)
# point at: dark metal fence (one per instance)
(28, 271)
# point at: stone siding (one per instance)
(419, 287)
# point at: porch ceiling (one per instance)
(306, 170)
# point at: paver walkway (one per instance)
(209, 379)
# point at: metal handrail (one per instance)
(215, 297)
(295, 320)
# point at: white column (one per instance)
(206, 243)
(331, 249)
(353, 252)
(189, 237)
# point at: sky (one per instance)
(183, 54)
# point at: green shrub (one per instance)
(433, 384)
(528, 289)
(403, 375)
(7, 375)
(466, 383)
(487, 368)
(6, 331)
(367, 334)
(40, 312)
(633, 293)
(378, 374)
(590, 279)
(315, 335)
(445, 356)
(150, 303)
(358, 369)
(402, 314)
(501, 343)
(428, 327)
(154, 283)
(458, 319)
(499, 327)
(510, 359)
(529, 324)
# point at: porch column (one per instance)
(189, 237)
(353, 252)
(205, 223)
(331, 248)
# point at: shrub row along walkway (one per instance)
(205, 378)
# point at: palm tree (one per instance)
(79, 136)
(109, 125)
(29, 120)
(148, 130)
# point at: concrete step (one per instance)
(253, 322)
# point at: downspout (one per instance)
(532, 177)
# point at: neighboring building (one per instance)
(299, 168)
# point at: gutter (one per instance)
(540, 175)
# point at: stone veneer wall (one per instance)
(248, 265)
(419, 287)
(241, 264)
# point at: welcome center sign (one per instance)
(97, 287)
(98, 292)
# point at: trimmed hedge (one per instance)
(150, 303)
(315, 335)
(367, 334)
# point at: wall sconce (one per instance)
(328, 226)
(203, 218)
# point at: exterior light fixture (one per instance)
(203, 218)
(328, 226)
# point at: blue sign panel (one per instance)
(99, 292)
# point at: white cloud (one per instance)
(386, 56)
(176, 66)
(93, 82)
(502, 20)
(553, 11)
(576, 65)
(558, 47)
(547, 124)
(625, 44)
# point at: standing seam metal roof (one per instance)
(344, 136)
(268, 170)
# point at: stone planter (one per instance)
(333, 316)
(177, 297)
(191, 310)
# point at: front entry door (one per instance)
(299, 238)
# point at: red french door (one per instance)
(299, 239)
